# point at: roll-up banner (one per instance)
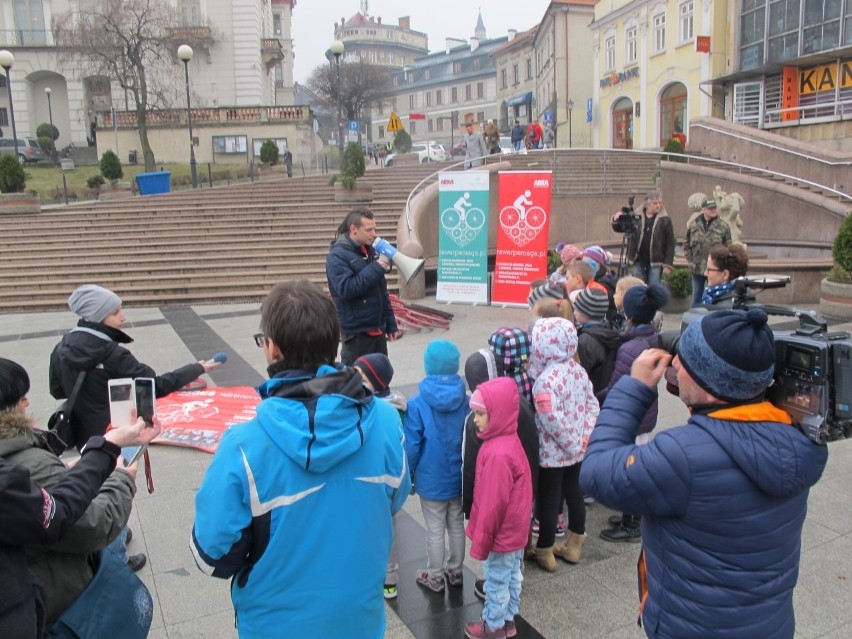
(522, 233)
(463, 237)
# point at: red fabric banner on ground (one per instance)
(197, 419)
(522, 232)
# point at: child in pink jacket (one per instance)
(502, 505)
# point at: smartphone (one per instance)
(122, 402)
(146, 407)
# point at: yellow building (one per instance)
(650, 58)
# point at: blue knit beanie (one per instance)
(441, 358)
(730, 354)
(641, 303)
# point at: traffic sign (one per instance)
(394, 123)
(548, 116)
(353, 125)
(589, 110)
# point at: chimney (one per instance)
(512, 34)
(405, 23)
(379, 19)
(474, 44)
(452, 43)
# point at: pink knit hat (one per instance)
(569, 253)
(477, 402)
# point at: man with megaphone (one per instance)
(356, 281)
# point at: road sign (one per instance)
(548, 116)
(394, 123)
(589, 110)
(353, 125)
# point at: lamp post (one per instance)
(6, 61)
(185, 54)
(47, 92)
(337, 51)
(570, 123)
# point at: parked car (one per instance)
(505, 144)
(429, 151)
(28, 149)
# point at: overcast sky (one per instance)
(313, 22)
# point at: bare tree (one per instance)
(130, 42)
(362, 86)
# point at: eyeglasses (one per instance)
(260, 339)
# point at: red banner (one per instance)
(522, 232)
(197, 419)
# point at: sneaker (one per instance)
(423, 578)
(588, 500)
(534, 526)
(455, 579)
(137, 562)
(630, 534)
(561, 526)
(479, 588)
(481, 630)
(510, 629)
(390, 591)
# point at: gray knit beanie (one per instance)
(93, 303)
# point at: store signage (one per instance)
(826, 77)
(617, 78)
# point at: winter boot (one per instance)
(628, 531)
(572, 548)
(544, 557)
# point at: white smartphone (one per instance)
(122, 402)
(127, 396)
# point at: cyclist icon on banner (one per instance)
(463, 222)
(522, 220)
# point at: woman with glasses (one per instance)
(724, 265)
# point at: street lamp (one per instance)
(185, 54)
(47, 92)
(6, 61)
(337, 51)
(570, 122)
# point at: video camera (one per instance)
(813, 367)
(633, 218)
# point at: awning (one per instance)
(519, 99)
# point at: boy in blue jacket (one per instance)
(434, 426)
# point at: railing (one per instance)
(768, 145)
(210, 115)
(545, 156)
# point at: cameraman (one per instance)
(722, 498)
(650, 238)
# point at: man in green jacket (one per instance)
(703, 231)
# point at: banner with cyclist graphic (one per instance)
(522, 233)
(198, 418)
(463, 237)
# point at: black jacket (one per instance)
(33, 516)
(662, 239)
(96, 348)
(597, 345)
(357, 285)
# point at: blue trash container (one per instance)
(154, 182)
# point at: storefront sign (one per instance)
(826, 77)
(522, 232)
(617, 78)
(790, 94)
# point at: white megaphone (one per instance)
(408, 267)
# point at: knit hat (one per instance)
(597, 255)
(93, 303)
(568, 253)
(477, 402)
(546, 291)
(441, 358)
(709, 203)
(592, 302)
(641, 303)
(730, 354)
(511, 348)
(14, 383)
(376, 368)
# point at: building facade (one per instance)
(244, 59)
(515, 66)
(369, 39)
(650, 58)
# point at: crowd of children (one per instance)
(507, 456)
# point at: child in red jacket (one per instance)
(502, 505)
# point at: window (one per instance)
(783, 40)
(381, 131)
(427, 73)
(454, 92)
(393, 103)
(440, 124)
(659, 33)
(380, 107)
(747, 103)
(2, 81)
(529, 69)
(29, 20)
(480, 117)
(609, 56)
(412, 124)
(4, 113)
(821, 25)
(468, 94)
(457, 67)
(475, 64)
(276, 24)
(431, 126)
(672, 111)
(480, 90)
(390, 57)
(190, 14)
(428, 98)
(439, 97)
(752, 31)
(847, 29)
(411, 101)
(630, 45)
(373, 57)
(516, 74)
(686, 21)
(503, 82)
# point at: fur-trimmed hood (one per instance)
(15, 425)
